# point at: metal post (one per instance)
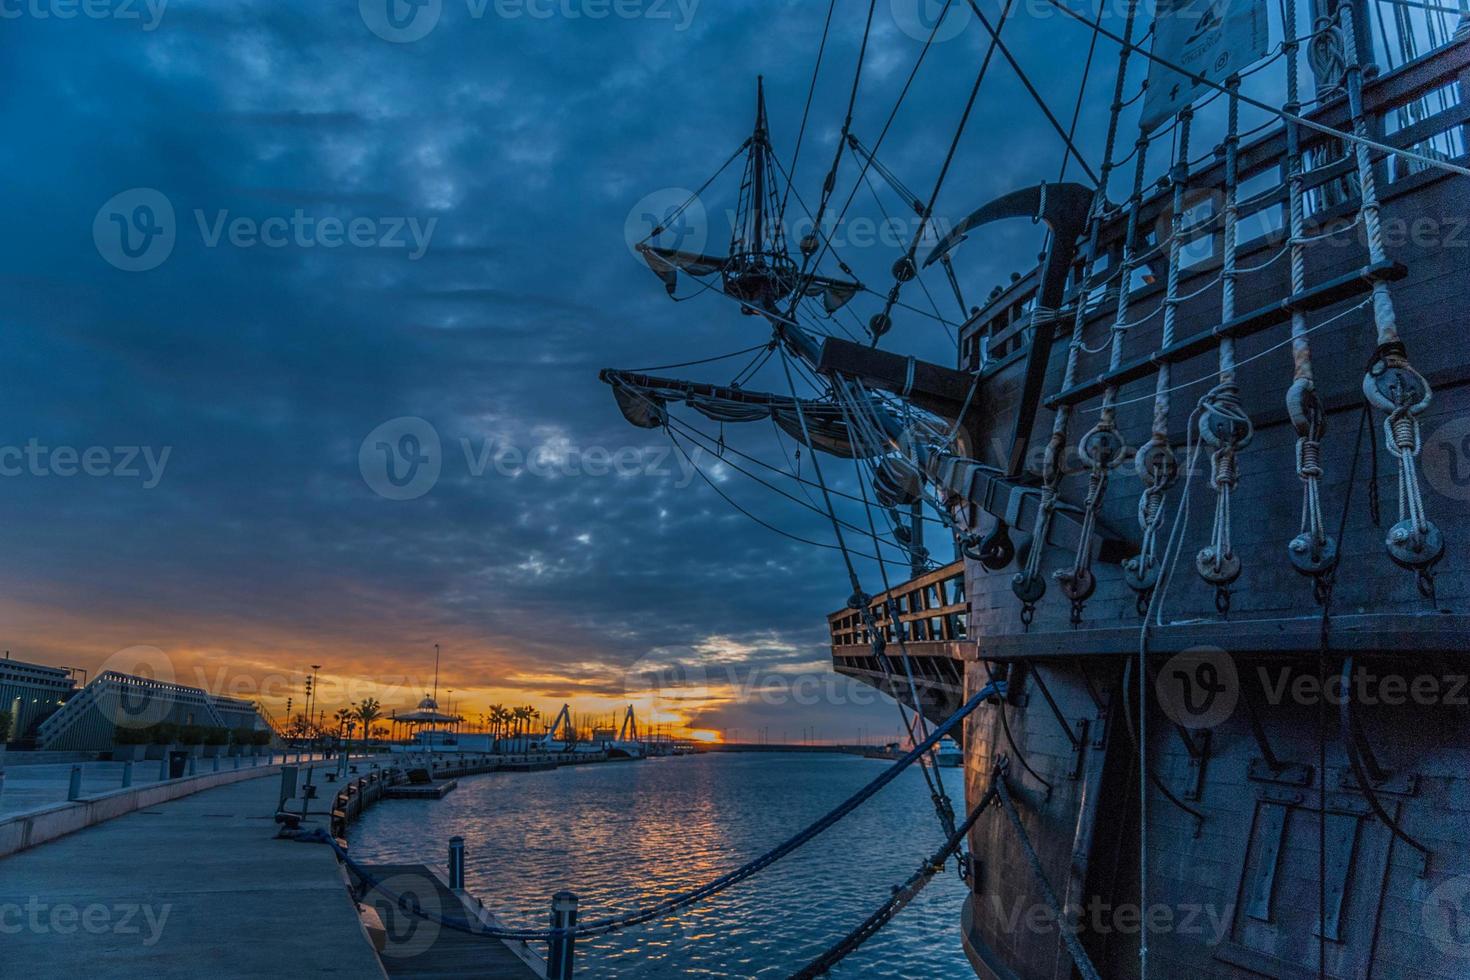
(163, 768)
(191, 764)
(127, 774)
(216, 764)
(564, 919)
(74, 791)
(456, 864)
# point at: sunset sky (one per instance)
(232, 388)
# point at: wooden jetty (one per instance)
(412, 946)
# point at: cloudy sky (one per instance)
(250, 239)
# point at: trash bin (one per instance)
(178, 764)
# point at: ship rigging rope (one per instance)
(672, 215)
(674, 903)
(905, 269)
(1361, 139)
(1100, 446)
(806, 112)
(1224, 424)
(816, 258)
(1071, 147)
(943, 808)
(768, 526)
(829, 185)
(704, 360)
(901, 895)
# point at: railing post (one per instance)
(74, 791)
(563, 919)
(456, 864)
(127, 774)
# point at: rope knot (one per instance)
(1309, 459)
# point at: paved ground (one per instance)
(193, 888)
(26, 787)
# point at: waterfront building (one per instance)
(32, 692)
(89, 721)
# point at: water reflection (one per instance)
(623, 835)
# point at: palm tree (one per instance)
(367, 713)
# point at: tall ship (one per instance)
(1203, 466)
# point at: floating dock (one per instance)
(412, 946)
(421, 791)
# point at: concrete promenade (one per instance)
(194, 887)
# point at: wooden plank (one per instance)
(418, 948)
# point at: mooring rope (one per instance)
(1069, 936)
(901, 896)
(672, 904)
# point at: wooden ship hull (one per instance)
(1207, 470)
(1287, 835)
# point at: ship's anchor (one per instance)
(1225, 427)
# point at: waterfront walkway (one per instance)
(194, 887)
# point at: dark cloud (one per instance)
(526, 142)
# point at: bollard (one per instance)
(563, 917)
(127, 774)
(74, 791)
(216, 763)
(456, 864)
(163, 769)
(191, 764)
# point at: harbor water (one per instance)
(623, 835)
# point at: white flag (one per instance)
(1208, 39)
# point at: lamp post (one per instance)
(312, 697)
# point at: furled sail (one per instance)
(772, 280)
(644, 400)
